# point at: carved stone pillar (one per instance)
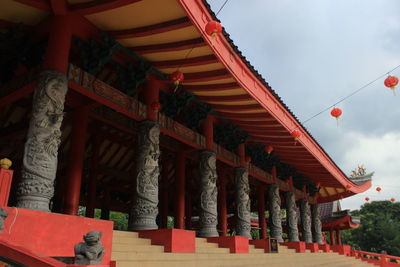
(316, 224)
(43, 139)
(242, 202)
(291, 217)
(274, 207)
(144, 210)
(305, 214)
(208, 195)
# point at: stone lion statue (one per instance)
(90, 252)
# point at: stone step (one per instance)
(137, 248)
(251, 262)
(131, 241)
(202, 256)
(117, 233)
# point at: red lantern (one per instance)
(247, 159)
(177, 77)
(367, 199)
(213, 28)
(296, 135)
(393, 199)
(378, 189)
(336, 112)
(269, 149)
(391, 82)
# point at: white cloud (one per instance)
(379, 154)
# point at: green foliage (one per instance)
(379, 230)
(120, 219)
(95, 54)
(173, 104)
(260, 158)
(229, 135)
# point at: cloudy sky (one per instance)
(313, 53)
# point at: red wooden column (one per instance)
(151, 96)
(180, 190)
(91, 201)
(261, 212)
(338, 237)
(80, 119)
(208, 132)
(242, 155)
(5, 181)
(222, 209)
(332, 237)
(59, 43)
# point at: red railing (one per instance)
(382, 260)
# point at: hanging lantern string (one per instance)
(350, 95)
(222, 7)
(191, 49)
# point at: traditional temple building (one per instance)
(131, 106)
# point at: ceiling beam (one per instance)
(228, 98)
(169, 47)
(260, 117)
(152, 29)
(237, 107)
(98, 6)
(212, 87)
(188, 62)
(39, 4)
(207, 76)
(59, 7)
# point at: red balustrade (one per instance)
(382, 260)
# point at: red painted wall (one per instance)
(53, 234)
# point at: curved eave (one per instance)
(340, 224)
(261, 92)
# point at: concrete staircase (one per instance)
(129, 250)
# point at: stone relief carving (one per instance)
(242, 200)
(208, 194)
(90, 252)
(305, 220)
(3, 216)
(291, 217)
(274, 207)
(43, 139)
(145, 206)
(316, 224)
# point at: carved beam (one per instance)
(98, 6)
(169, 47)
(189, 62)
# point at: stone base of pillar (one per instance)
(34, 203)
(208, 231)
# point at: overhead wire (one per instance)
(350, 95)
